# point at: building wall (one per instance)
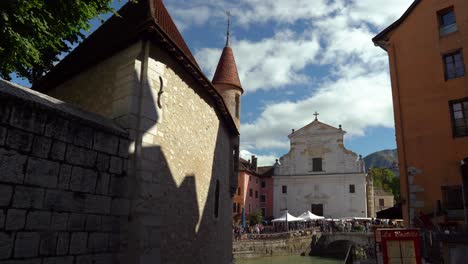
(268, 192)
(181, 150)
(429, 156)
(63, 182)
(388, 202)
(330, 190)
(251, 182)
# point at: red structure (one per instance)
(400, 246)
(254, 192)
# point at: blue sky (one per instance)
(296, 57)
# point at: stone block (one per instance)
(83, 136)
(41, 147)
(29, 119)
(5, 110)
(120, 206)
(93, 223)
(63, 243)
(57, 128)
(76, 222)
(38, 220)
(59, 221)
(48, 244)
(106, 143)
(12, 166)
(64, 201)
(65, 177)
(5, 194)
(28, 197)
(83, 180)
(114, 242)
(115, 165)
(59, 260)
(102, 185)
(15, 219)
(103, 161)
(78, 243)
(97, 204)
(119, 187)
(42, 172)
(22, 261)
(2, 219)
(58, 150)
(124, 145)
(80, 156)
(98, 242)
(27, 244)
(107, 223)
(3, 135)
(19, 140)
(6, 244)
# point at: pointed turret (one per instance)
(226, 80)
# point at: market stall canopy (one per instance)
(290, 218)
(308, 216)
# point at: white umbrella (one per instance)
(308, 216)
(286, 216)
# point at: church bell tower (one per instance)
(226, 80)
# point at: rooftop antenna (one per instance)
(228, 14)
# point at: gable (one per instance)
(316, 128)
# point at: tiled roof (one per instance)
(226, 72)
(266, 170)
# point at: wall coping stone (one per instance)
(12, 90)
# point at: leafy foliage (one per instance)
(33, 33)
(255, 217)
(385, 179)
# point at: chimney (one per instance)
(340, 127)
(254, 163)
(293, 130)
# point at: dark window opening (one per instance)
(454, 66)
(263, 184)
(239, 191)
(381, 202)
(250, 192)
(262, 198)
(216, 209)
(317, 209)
(452, 197)
(352, 188)
(317, 164)
(459, 113)
(447, 22)
(285, 189)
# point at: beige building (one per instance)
(137, 70)
(382, 200)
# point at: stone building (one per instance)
(382, 200)
(183, 129)
(319, 174)
(427, 51)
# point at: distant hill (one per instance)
(383, 159)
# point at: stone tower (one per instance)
(227, 83)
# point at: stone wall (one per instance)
(63, 190)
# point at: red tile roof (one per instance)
(226, 72)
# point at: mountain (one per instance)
(383, 159)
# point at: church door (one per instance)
(317, 209)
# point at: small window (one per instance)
(216, 209)
(262, 198)
(452, 197)
(239, 191)
(317, 164)
(447, 22)
(285, 189)
(263, 184)
(250, 192)
(352, 188)
(237, 110)
(256, 194)
(454, 66)
(459, 113)
(381, 202)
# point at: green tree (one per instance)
(33, 33)
(255, 218)
(385, 179)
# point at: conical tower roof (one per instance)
(226, 72)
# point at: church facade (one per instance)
(319, 174)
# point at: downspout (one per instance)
(397, 88)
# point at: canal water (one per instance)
(288, 260)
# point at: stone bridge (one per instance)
(337, 244)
